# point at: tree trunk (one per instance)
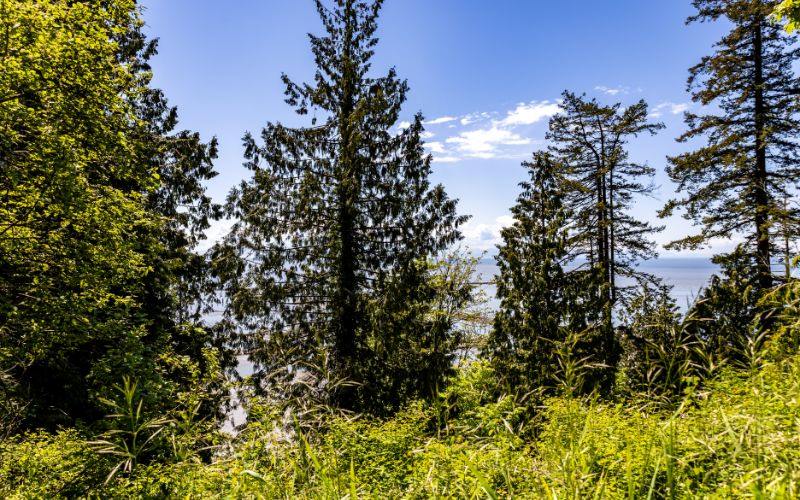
(346, 326)
(761, 193)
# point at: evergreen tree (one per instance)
(723, 318)
(540, 302)
(601, 182)
(337, 215)
(735, 183)
(658, 350)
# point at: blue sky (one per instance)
(486, 75)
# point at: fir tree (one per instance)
(337, 215)
(735, 183)
(540, 302)
(601, 182)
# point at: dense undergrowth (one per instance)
(739, 436)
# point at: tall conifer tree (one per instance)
(540, 302)
(589, 139)
(337, 216)
(736, 182)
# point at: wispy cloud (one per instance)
(483, 143)
(487, 135)
(612, 91)
(474, 118)
(435, 147)
(530, 113)
(674, 108)
(440, 120)
(446, 159)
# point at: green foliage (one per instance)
(337, 219)
(540, 303)
(102, 208)
(41, 465)
(734, 439)
(600, 181)
(471, 407)
(335, 279)
(734, 183)
(131, 433)
(71, 217)
(659, 359)
(788, 12)
(415, 342)
(781, 309)
(725, 317)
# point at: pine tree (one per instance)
(735, 183)
(540, 302)
(601, 183)
(336, 215)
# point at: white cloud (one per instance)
(677, 109)
(672, 107)
(530, 113)
(493, 134)
(445, 159)
(483, 143)
(427, 135)
(482, 236)
(613, 90)
(474, 117)
(403, 125)
(441, 119)
(440, 153)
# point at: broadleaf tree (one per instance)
(92, 245)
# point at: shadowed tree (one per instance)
(540, 302)
(337, 215)
(101, 207)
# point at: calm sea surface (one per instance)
(686, 275)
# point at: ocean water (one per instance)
(686, 275)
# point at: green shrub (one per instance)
(738, 437)
(41, 465)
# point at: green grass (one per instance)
(738, 437)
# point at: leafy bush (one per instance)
(737, 437)
(41, 465)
